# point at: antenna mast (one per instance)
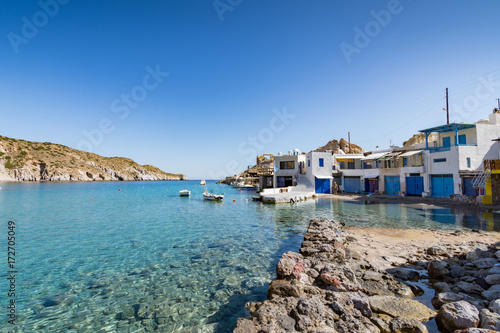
(447, 109)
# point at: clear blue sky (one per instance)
(333, 66)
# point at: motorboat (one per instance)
(203, 182)
(212, 197)
(248, 187)
(184, 193)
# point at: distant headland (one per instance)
(22, 160)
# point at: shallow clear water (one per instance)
(92, 265)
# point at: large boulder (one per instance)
(444, 298)
(405, 325)
(400, 307)
(456, 316)
(489, 320)
(282, 288)
(339, 278)
(290, 265)
(437, 269)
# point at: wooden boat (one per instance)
(203, 182)
(184, 193)
(212, 197)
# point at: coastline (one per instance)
(366, 279)
(417, 200)
(88, 181)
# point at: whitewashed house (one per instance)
(318, 175)
(288, 168)
(349, 173)
(459, 155)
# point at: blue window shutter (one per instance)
(462, 139)
(446, 142)
(321, 162)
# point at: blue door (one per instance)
(322, 185)
(414, 185)
(468, 188)
(442, 185)
(392, 185)
(371, 185)
(352, 184)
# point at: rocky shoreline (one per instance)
(352, 279)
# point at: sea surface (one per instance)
(134, 256)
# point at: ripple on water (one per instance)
(90, 266)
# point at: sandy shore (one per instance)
(365, 279)
(386, 247)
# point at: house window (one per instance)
(321, 163)
(439, 160)
(468, 162)
(461, 139)
(446, 142)
(342, 165)
(287, 165)
(405, 161)
(350, 165)
(308, 163)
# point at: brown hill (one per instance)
(347, 148)
(22, 160)
(419, 138)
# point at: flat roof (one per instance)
(447, 128)
(373, 157)
(410, 153)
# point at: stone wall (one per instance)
(329, 287)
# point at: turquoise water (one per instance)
(142, 258)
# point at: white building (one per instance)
(319, 166)
(459, 155)
(288, 168)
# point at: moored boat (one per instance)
(212, 197)
(184, 193)
(203, 182)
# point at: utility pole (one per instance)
(447, 109)
(498, 100)
(349, 140)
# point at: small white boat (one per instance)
(184, 193)
(248, 187)
(203, 182)
(213, 197)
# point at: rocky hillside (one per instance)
(22, 160)
(335, 145)
(419, 138)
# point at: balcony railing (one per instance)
(439, 149)
(447, 148)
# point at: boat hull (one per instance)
(213, 197)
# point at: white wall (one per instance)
(287, 172)
(312, 165)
